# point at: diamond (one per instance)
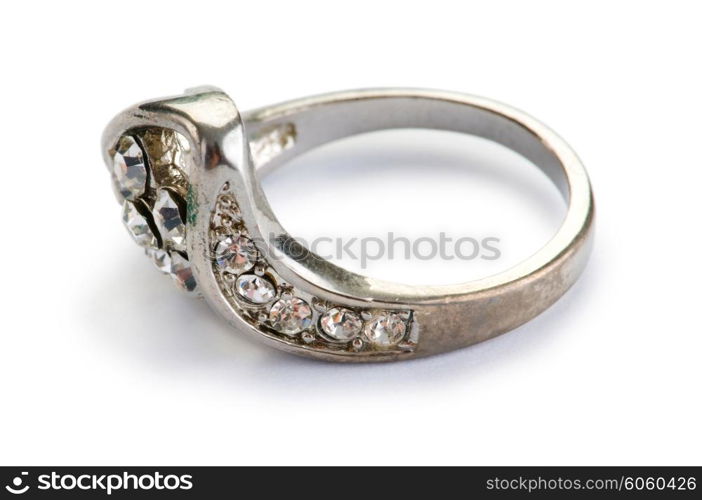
(290, 315)
(340, 324)
(386, 330)
(182, 273)
(129, 168)
(136, 218)
(161, 259)
(235, 254)
(255, 289)
(169, 215)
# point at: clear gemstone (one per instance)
(161, 259)
(136, 219)
(290, 315)
(170, 218)
(255, 289)
(386, 330)
(182, 273)
(235, 254)
(340, 324)
(129, 168)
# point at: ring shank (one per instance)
(451, 316)
(315, 122)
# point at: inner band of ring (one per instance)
(326, 118)
(450, 316)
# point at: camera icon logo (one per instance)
(17, 488)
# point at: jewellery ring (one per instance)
(186, 170)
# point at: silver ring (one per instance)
(185, 169)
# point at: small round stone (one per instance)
(385, 330)
(290, 315)
(235, 254)
(340, 324)
(182, 273)
(129, 168)
(169, 215)
(254, 289)
(136, 219)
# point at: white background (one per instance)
(103, 361)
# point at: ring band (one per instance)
(186, 171)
